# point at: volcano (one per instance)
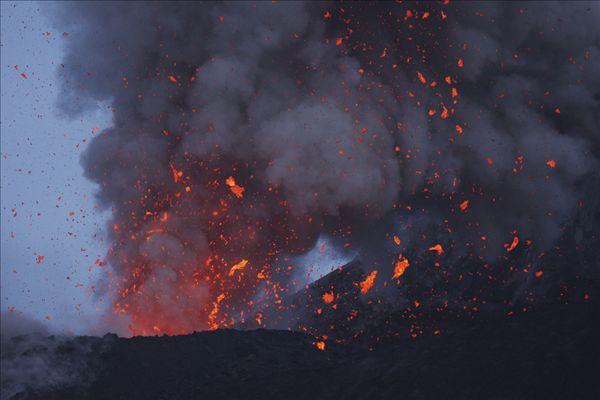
(324, 200)
(418, 139)
(550, 352)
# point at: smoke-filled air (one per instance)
(447, 148)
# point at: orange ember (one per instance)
(367, 284)
(512, 246)
(238, 267)
(400, 266)
(437, 248)
(235, 189)
(328, 297)
(176, 174)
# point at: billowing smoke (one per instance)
(31, 361)
(15, 324)
(244, 131)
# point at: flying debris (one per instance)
(243, 135)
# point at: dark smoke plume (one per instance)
(462, 125)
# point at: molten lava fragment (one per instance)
(444, 113)
(397, 240)
(176, 174)
(235, 189)
(238, 266)
(512, 246)
(437, 248)
(464, 205)
(320, 345)
(551, 163)
(328, 297)
(400, 266)
(367, 284)
(258, 318)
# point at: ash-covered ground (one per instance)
(549, 352)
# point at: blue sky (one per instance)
(42, 181)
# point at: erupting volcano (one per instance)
(300, 200)
(431, 142)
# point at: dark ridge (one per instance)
(551, 352)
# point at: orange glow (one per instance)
(464, 205)
(215, 310)
(320, 345)
(551, 163)
(259, 319)
(238, 267)
(367, 284)
(397, 240)
(176, 174)
(514, 244)
(437, 248)
(235, 189)
(400, 266)
(328, 297)
(444, 113)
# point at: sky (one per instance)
(47, 205)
